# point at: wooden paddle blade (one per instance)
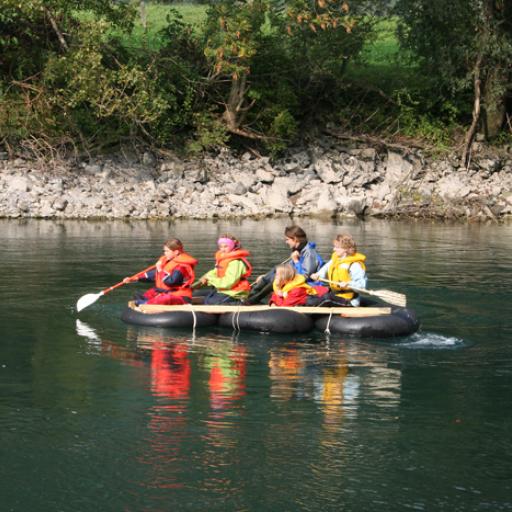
(86, 300)
(395, 298)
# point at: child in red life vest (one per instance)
(173, 275)
(290, 288)
(229, 277)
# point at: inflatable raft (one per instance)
(366, 321)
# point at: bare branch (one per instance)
(56, 29)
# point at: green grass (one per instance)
(156, 20)
(383, 63)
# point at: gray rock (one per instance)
(265, 176)
(276, 197)
(92, 168)
(18, 184)
(329, 171)
(452, 187)
(60, 204)
(397, 168)
(197, 175)
(148, 159)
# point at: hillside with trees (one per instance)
(93, 75)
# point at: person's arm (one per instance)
(147, 276)
(174, 279)
(322, 273)
(234, 272)
(357, 276)
(266, 278)
(309, 263)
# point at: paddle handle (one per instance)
(121, 283)
(282, 263)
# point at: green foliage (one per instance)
(210, 133)
(200, 76)
(283, 129)
(460, 41)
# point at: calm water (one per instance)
(99, 415)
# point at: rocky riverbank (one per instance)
(328, 178)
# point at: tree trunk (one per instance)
(470, 134)
(234, 113)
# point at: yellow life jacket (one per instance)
(340, 271)
(299, 281)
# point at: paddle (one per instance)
(256, 295)
(197, 284)
(90, 298)
(395, 298)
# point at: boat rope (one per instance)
(235, 319)
(327, 330)
(194, 316)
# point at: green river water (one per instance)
(97, 415)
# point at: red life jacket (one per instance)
(185, 264)
(222, 260)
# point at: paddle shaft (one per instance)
(358, 290)
(398, 299)
(121, 283)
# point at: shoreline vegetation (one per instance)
(141, 84)
(263, 74)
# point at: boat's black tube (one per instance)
(169, 319)
(401, 322)
(272, 320)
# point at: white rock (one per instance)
(397, 168)
(452, 187)
(265, 176)
(18, 184)
(328, 170)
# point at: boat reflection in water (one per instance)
(193, 428)
(199, 424)
(338, 378)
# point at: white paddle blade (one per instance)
(86, 300)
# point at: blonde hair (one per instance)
(345, 241)
(284, 273)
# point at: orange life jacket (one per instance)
(222, 260)
(186, 264)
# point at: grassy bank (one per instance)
(156, 20)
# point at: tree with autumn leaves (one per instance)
(250, 44)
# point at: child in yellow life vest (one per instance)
(290, 288)
(229, 277)
(173, 275)
(346, 268)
